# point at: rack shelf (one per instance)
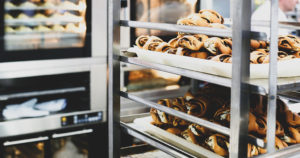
(46, 21)
(46, 8)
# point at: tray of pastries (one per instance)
(213, 55)
(212, 103)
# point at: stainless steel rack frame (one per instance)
(240, 84)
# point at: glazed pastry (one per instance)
(42, 28)
(257, 44)
(200, 55)
(212, 16)
(293, 119)
(162, 47)
(199, 20)
(221, 58)
(28, 5)
(175, 131)
(219, 144)
(198, 106)
(222, 116)
(190, 42)
(289, 42)
(23, 16)
(291, 136)
(297, 54)
(8, 16)
(252, 150)
(58, 28)
(218, 26)
(189, 136)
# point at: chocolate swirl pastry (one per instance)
(222, 116)
(189, 136)
(252, 125)
(160, 117)
(183, 51)
(201, 37)
(261, 125)
(257, 44)
(198, 130)
(199, 106)
(190, 42)
(291, 135)
(297, 54)
(188, 96)
(265, 51)
(174, 42)
(289, 57)
(219, 144)
(279, 129)
(199, 20)
(163, 47)
(212, 16)
(280, 144)
(179, 105)
(257, 57)
(217, 46)
(289, 42)
(293, 119)
(252, 150)
(175, 131)
(217, 26)
(224, 58)
(171, 51)
(200, 55)
(141, 41)
(150, 45)
(282, 54)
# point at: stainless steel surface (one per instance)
(271, 111)
(293, 96)
(67, 134)
(34, 125)
(240, 78)
(289, 152)
(182, 115)
(24, 141)
(114, 8)
(40, 93)
(47, 67)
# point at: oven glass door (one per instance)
(45, 29)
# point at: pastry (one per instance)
(9, 29)
(289, 57)
(179, 105)
(151, 45)
(39, 16)
(199, 20)
(174, 42)
(218, 26)
(190, 42)
(9, 5)
(67, 5)
(28, 5)
(48, 5)
(199, 131)
(199, 106)
(252, 125)
(23, 29)
(257, 44)
(291, 135)
(297, 54)
(219, 144)
(252, 150)
(222, 58)
(279, 129)
(280, 144)
(289, 42)
(212, 16)
(23, 16)
(262, 125)
(222, 116)
(8, 16)
(160, 117)
(42, 28)
(71, 27)
(171, 51)
(183, 51)
(141, 41)
(163, 47)
(217, 46)
(282, 54)
(293, 119)
(200, 55)
(175, 131)
(58, 28)
(257, 57)
(188, 96)
(189, 136)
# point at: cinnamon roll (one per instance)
(150, 45)
(219, 144)
(199, 106)
(171, 51)
(179, 105)
(257, 57)
(212, 16)
(217, 46)
(198, 130)
(160, 117)
(141, 41)
(289, 42)
(190, 42)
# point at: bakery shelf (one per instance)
(132, 129)
(45, 21)
(46, 8)
(259, 86)
(289, 152)
(293, 96)
(187, 29)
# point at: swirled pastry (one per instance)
(212, 16)
(199, 106)
(218, 26)
(291, 135)
(293, 119)
(252, 150)
(219, 144)
(222, 116)
(141, 41)
(221, 58)
(150, 45)
(217, 46)
(175, 131)
(280, 144)
(201, 37)
(189, 136)
(198, 130)
(282, 54)
(179, 105)
(163, 47)
(200, 55)
(279, 129)
(183, 51)
(258, 44)
(160, 117)
(289, 42)
(297, 54)
(174, 42)
(190, 42)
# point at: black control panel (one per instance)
(81, 119)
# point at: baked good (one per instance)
(174, 42)
(291, 135)
(280, 144)
(218, 26)
(67, 5)
(42, 28)
(222, 116)
(175, 131)
(198, 130)
(190, 42)
(252, 150)
(279, 129)
(200, 55)
(282, 54)
(194, 20)
(8, 5)
(289, 57)
(188, 96)
(201, 37)
(9, 29)
(171, 51)
(219, 144)
(151, 45)
(297, 54)
(189, 136)
(179, 105)
(289, 42)
(23, 29)
(293, 119)
(48, 5)
(58, 28)
(23, 16)
(258, 44)
(27, 5)
(8, 16)
(141, 41)
(217, 46)
(261, 125)
(252, 125)
(212, 16)
(160, 117)
(199, 106)
(226, 58)
(163, 47)
(257, 57)
(183, 51)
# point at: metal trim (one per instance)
(24, 141)
(67, 134)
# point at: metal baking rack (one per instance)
(240, 84)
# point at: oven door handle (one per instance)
(24, 141)
(60, 135)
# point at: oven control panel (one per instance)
(81, 119)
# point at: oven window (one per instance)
(44, 24)
(32, 150)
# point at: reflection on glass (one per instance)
(44, 24)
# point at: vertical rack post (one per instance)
(241, 14)
(271, 115)
(114, 7)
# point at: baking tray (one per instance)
(145, 124)
(257, 71)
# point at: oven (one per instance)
(50, 29)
